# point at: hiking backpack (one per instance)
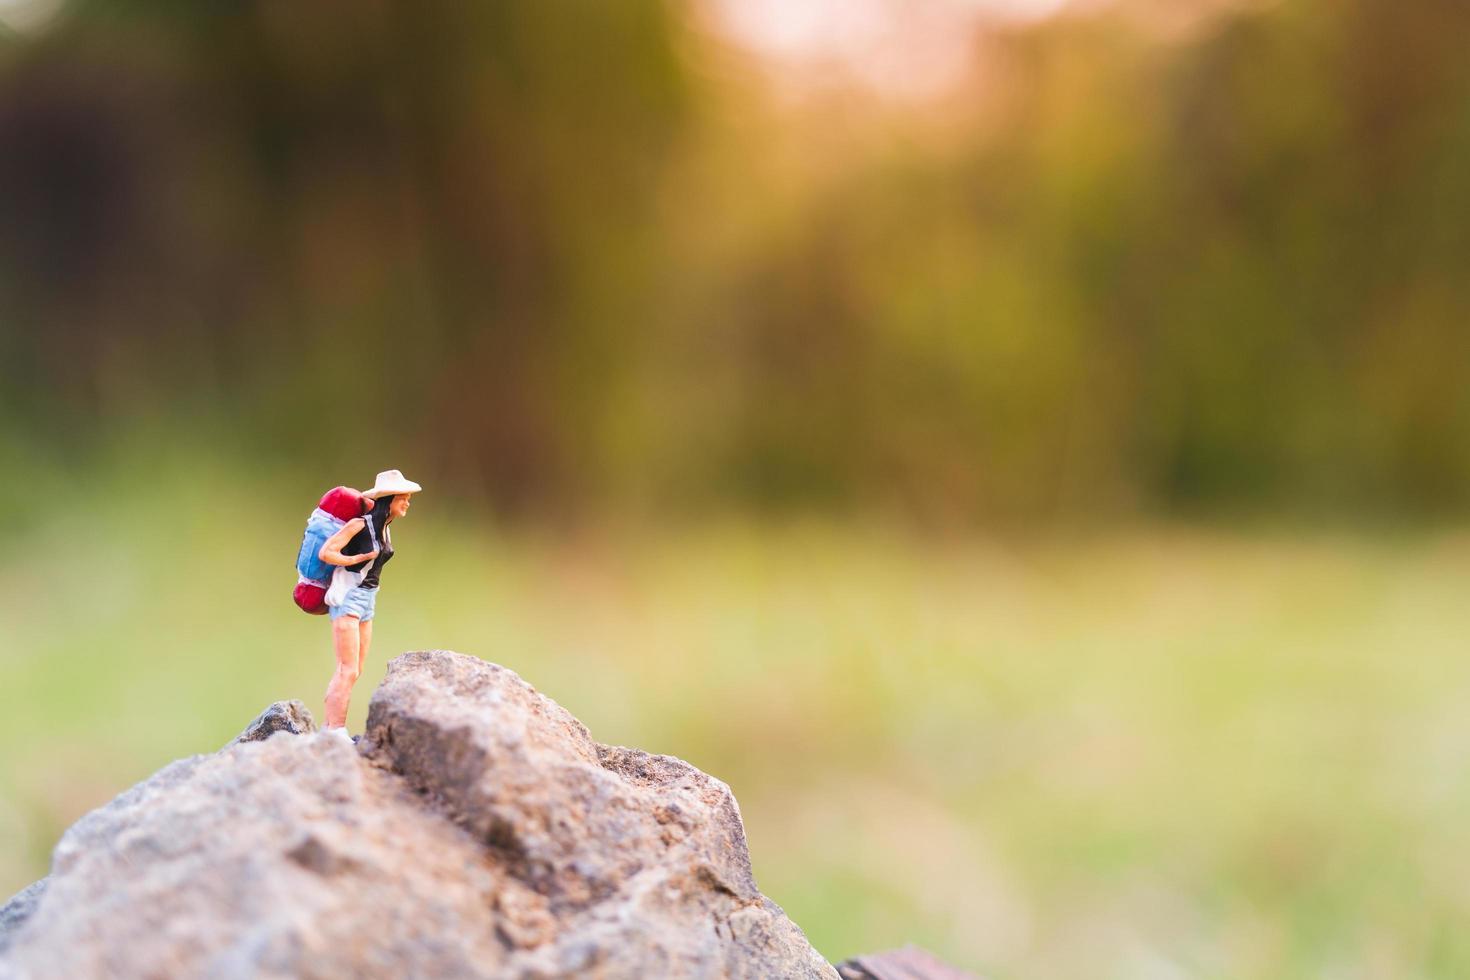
(314, 576)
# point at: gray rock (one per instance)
(20, 908)
(477, 831)
(908, 963)
(283, 716)
(637, 859)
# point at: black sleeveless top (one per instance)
(363, 542)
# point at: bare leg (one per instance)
(365, 639)
(345, 637)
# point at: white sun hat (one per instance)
(390, 482)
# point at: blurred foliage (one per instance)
(581, 258)
(425, 218)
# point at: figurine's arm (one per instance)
(331, 552)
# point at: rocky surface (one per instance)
(18, 909)
(908, 963)
(283, 716)
(477, 830)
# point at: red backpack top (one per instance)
(343, 503)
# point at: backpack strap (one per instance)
(367, 519)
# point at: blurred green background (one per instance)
(1022, 447)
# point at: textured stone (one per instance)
(283, 716)
(640, 859)
(908, 963)
(477, 831)
(20, 907)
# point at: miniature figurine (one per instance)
(358, 550)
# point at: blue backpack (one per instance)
(314, 576)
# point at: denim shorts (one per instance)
(358, 602)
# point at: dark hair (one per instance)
(380, 513)
(377, 517)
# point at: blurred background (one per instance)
(1022, 446)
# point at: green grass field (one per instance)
(1158, 753)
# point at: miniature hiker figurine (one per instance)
(359, 550)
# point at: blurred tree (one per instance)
(427, 217)
(580, 255)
